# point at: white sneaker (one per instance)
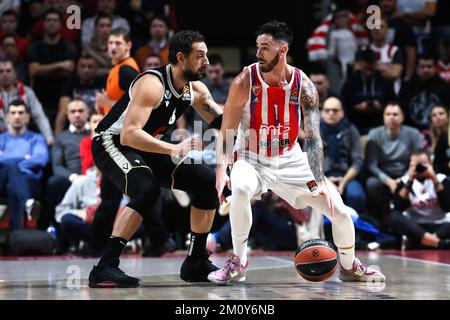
(361, 272)
(32, 208)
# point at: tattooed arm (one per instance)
(204, 103)
(313, 141)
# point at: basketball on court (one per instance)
(315, 260)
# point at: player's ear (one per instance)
(284, 48)
(180, 56)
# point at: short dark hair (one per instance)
(182, 42)
(393, 103)
(86, 55)
(215, 59)
(160, 18)
(102, 15)
(53, 11)
(19, 102)
(6, 60)
(278, 30)
(121, 32)
(10, 13)
(426, 56)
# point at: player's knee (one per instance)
(143, 190)
(342, 214)
(241, 189)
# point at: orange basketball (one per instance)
(315, 260)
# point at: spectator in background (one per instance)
(84, 85)
(11, 52)
(400, 34)
(217, 84)
(12, 89)
(13, 5)
(153, 62)
(389, 56)
(23, 155)
(98, 46)
(66, 160)
(343, 159)
(67, 33)
(103, 6)
(51, 61)
(122, 74)
(87, 161)
(440, 22)
(425, 90)
(133, 12)
(388, 150)
(9, 22)
(441, 159)
(158, 43)
(342, 48)
(443, 64)
(418, 13)
(76, 211)
(322, 85)
(421, 203)
(439, 120)
(365, 93)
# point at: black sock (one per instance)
(112, 252)
(197, 248)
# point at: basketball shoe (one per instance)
(197, 269)
(111, 277)
(361, 272)
(233, 271)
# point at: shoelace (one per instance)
(362, 268)
(229, 265)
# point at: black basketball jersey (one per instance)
(171, 106)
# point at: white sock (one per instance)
(346, 257)
(240, 247)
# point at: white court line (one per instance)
(417, 260)
(279, 259)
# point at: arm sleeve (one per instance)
(372, 160)
(38, 157)
(58, 160)
(38, 115)
(357, 158)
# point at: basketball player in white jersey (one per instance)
(264, 106)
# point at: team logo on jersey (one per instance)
(186, 93)
(256, 89)
(312, 185)
(168, 94)
(167, 103)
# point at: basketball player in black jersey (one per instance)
(128, 150)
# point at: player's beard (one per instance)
(190, 75)
(267, 67)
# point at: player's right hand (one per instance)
(222, 179)
(187, 145)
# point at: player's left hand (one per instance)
(323, 190)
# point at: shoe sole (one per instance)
(226, 282)
(108, 285)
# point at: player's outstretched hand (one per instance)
(322, 190)
(187, 145)
(222, 179)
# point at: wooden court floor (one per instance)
(269, 277)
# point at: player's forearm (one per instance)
(224, 149)
(314, 150)
(141, 140)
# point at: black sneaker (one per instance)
(196, 269)
(111, 277)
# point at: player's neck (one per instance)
(280, 76)
(177, 78)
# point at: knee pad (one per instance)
(143, 190)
